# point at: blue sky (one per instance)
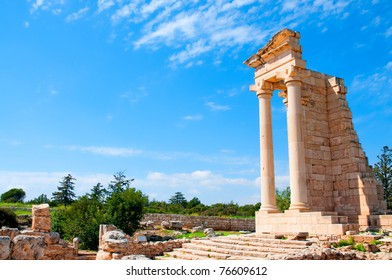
(158, 89)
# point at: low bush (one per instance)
(8, 218)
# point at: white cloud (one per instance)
(216, 107)
(36, 5)
(192, 50)
(388, 33)
(105, 151)
(183, 25)
(197, 180)
(104, 5)
(77, 15)
(123, 12)
(193, 117)
(37, 183)
(26, 24)
(389, 65)
(194, 28)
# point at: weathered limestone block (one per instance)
(59, 252)
(25, 247)
(75, 245)
(165, 225)
(50, 237)
(5, 247)
(209, 232)
(114, 242)
(103, 256)
(10, 232)
(198, 229)
(41, 218)
(176, 225)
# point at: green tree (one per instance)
(98, 193)
(193, 203)
(179, 199)
(122, 206)
(125, 209)
(383, 172)
(283, 199)
(13, 195)
(43, 198)
(120, 182)
(81, 219)
(65, 194)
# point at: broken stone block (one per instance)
(41, 218)
(5, 247)
(114, 242)
(209, 232)
(197, 229)
(26, 247)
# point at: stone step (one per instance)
(264, 241)
(248, 246)
(180, 253)
(238, 251)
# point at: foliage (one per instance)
(8, 218)
(383, 172)
(43, 198)
(344, 242)
(120, 205)
(178, 199)
(65, 194)
(125, 209)
(283, 199)
(13, 195)
(81, 219)
(360, 247)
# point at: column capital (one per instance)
(264, 89)
(291, 80)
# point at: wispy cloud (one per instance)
(193, 29)
(105, 151)
(197, 117)
(77, 15)
(217, 107)
(104, 5)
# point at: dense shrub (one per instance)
(8, 218)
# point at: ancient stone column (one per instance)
(268, 199)
(299, 198)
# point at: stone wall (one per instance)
(216, 223)
(115, 244)
(37, 243)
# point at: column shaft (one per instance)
(268, 201)
(299, 198)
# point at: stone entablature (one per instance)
(329, 171)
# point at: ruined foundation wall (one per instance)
(216, 223)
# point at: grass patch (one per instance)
(343, 242)
(376, 242)
(360, 247)
(191, 235)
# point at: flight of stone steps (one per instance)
(243, 247)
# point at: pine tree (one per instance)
(383, 172)
(65, 194)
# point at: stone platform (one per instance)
(326, 223)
